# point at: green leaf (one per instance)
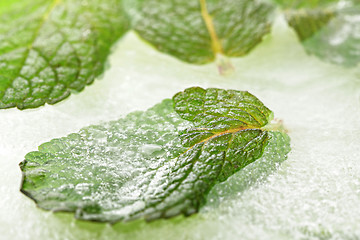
(326, 31)
(6, 5)
(50, 48)
(154, 164)
(198, 31)
(308, 4)
(338, 42)
(306, 23)
(307, 17)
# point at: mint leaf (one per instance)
(221, 109)
(307, 17)
(327, 31)
(50, 48)
(199, 31)
(309, 4)
(309, 22)
(338, 42)
(7, 5)
(154, 164)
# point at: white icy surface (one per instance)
(315, 194)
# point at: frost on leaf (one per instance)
(50, 48)
(153, 164)
(201, 30)
(329, 30)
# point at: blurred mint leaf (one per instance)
(339, 41)
(199, 31)
(308, 22)
(308, 4)
(327, 29)
(153, 164)
(50, 48)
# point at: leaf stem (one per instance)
(224, 65)
(276, 125)
(215, 43)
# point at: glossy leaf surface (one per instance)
(154, 164)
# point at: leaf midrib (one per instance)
(215, 42)
(232, 130)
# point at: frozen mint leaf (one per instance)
(307, 17)
(200, 30)
(253, 174)
(327, 30)
(154, 164)
(339, 41)
(307, 23)
(50, 48)
(221, 109)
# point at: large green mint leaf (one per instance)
(154, 164)
(327, 30)
(198, 31)
(50, 48)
